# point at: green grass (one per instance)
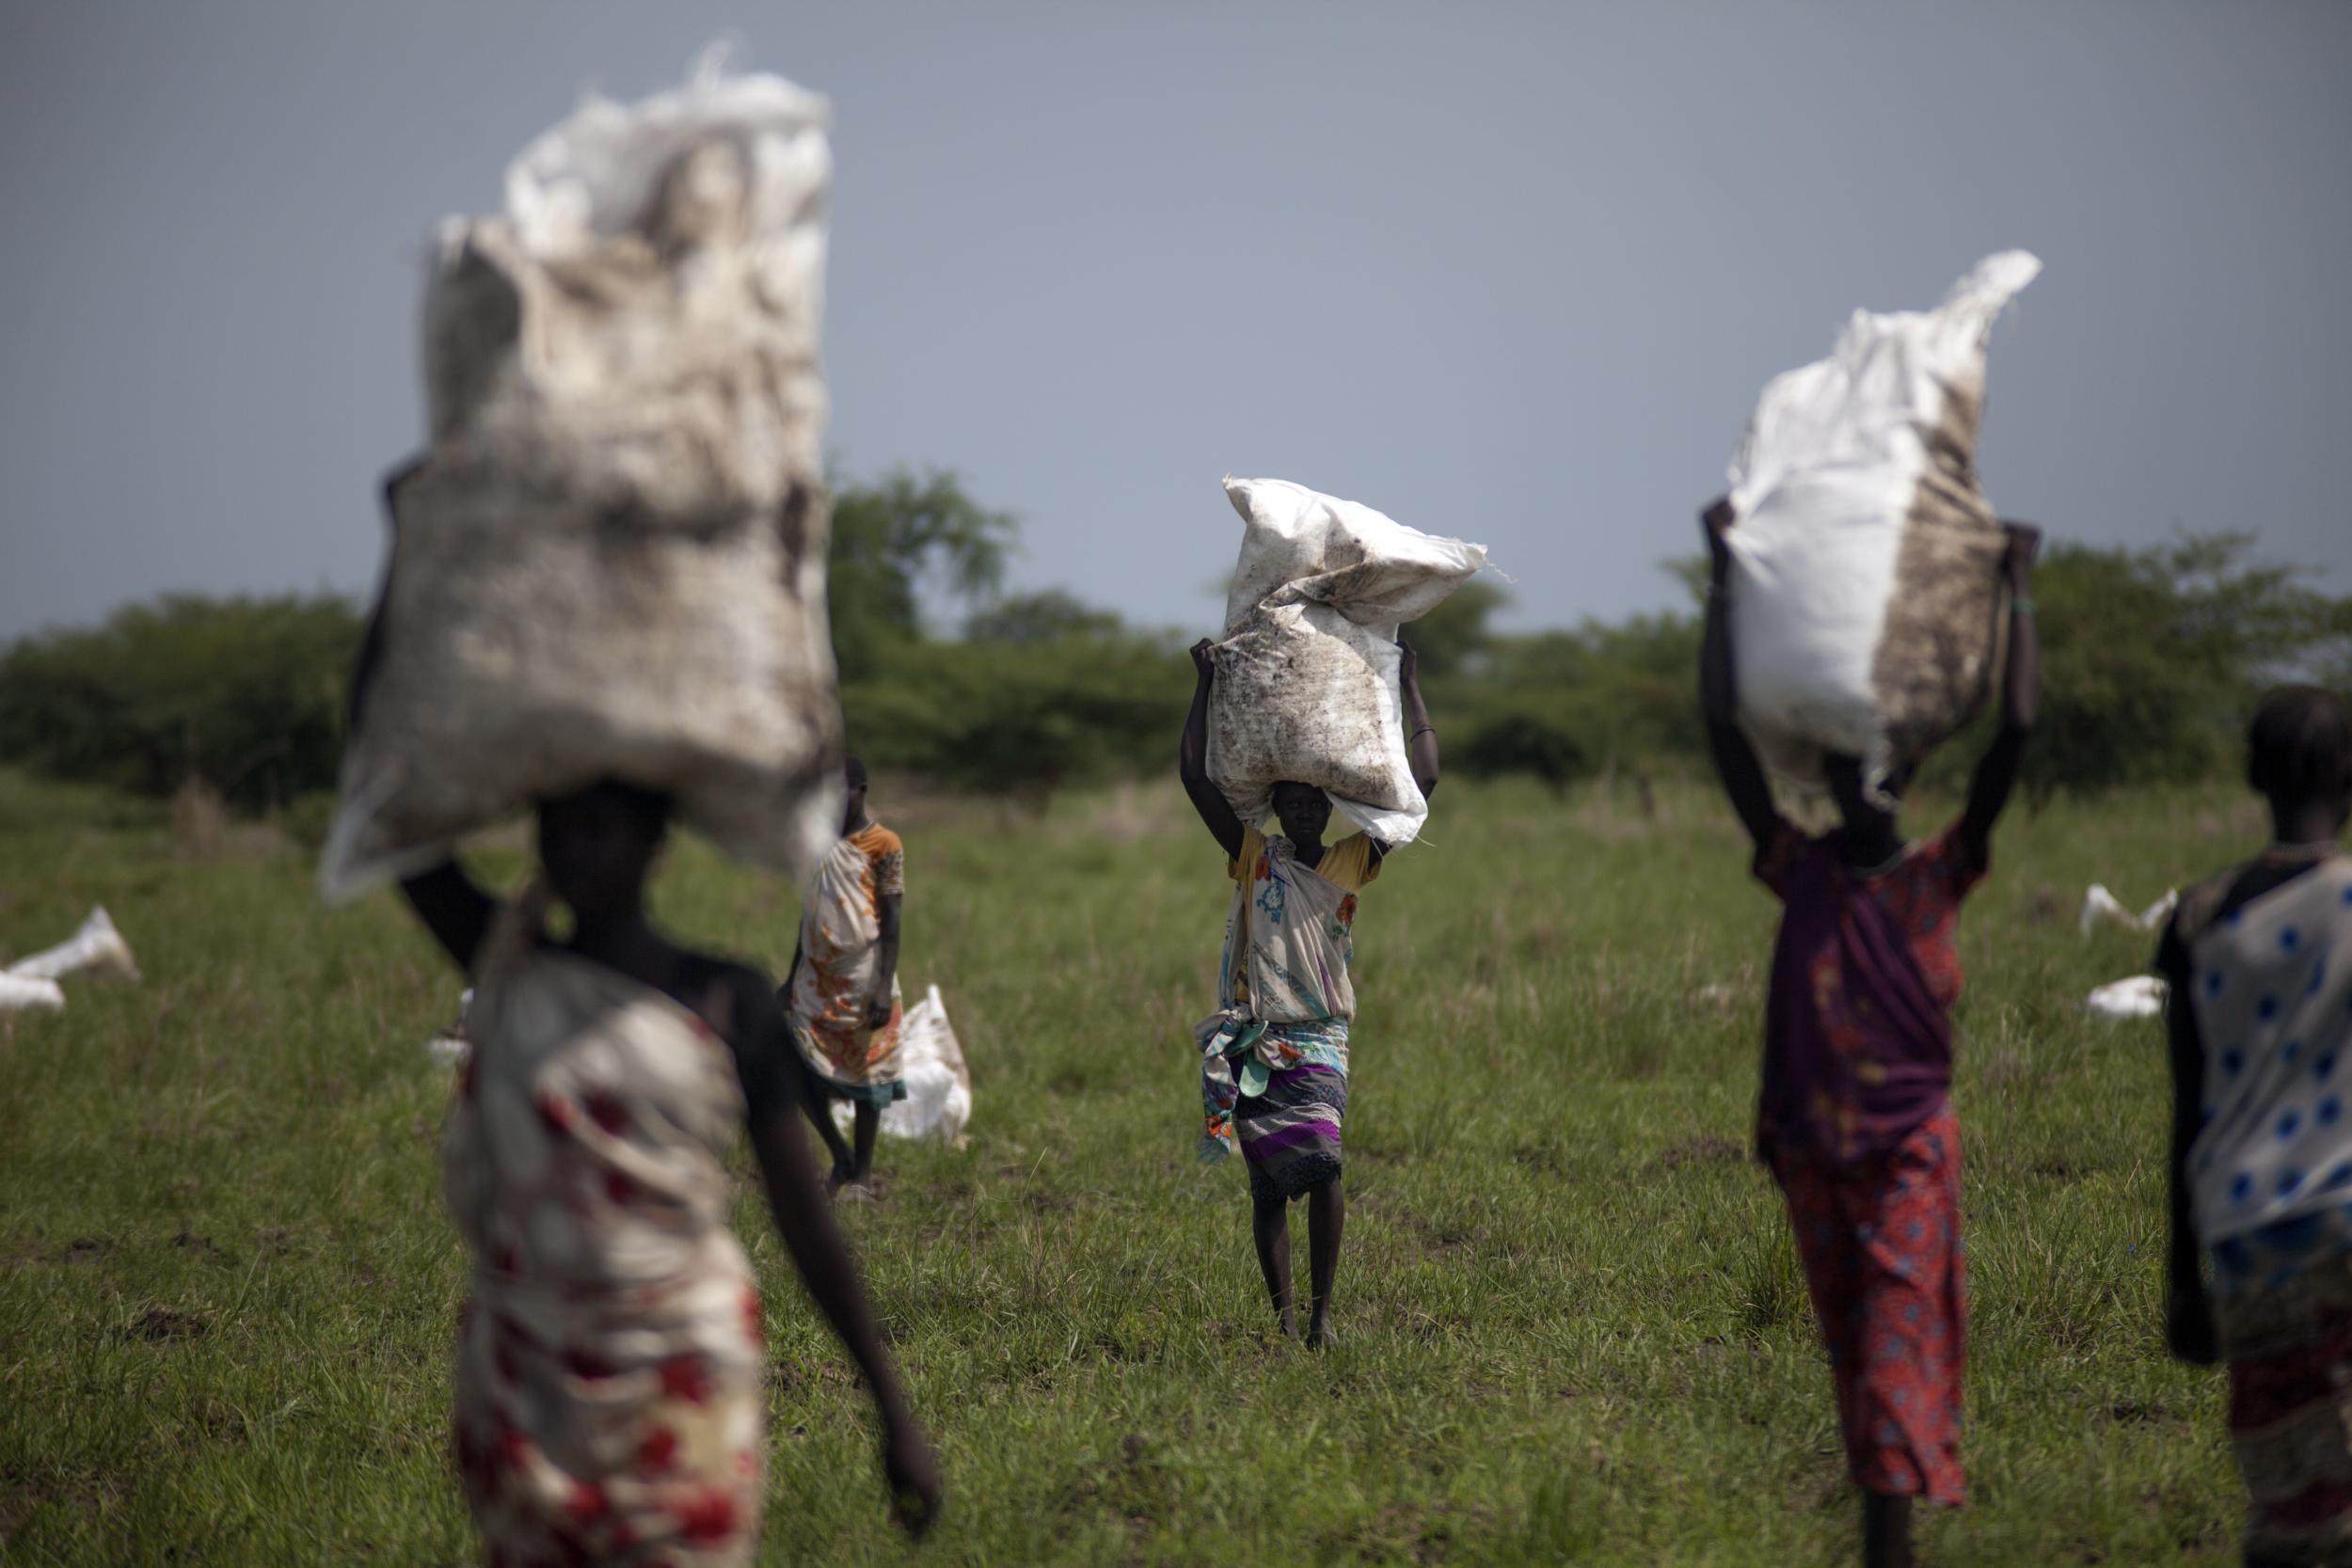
(1571, 1323)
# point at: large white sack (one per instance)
(939, 1085)
(1865, 578)
(612, 559)
(1307, 686)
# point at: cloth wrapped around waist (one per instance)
(1238, 1053)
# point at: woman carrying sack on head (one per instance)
(611, 1403)
(1855, 1116)
(2259, 966)
(1274, 1055)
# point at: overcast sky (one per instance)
(1509, 272)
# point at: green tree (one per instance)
(246, 694)
(1452, 637)
(1045, 616)
(2153, 658)
(890, 535)
(1023, 719)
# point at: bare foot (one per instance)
(835, 1179)
(853, 1192)
(1319, 1336)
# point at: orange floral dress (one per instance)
(840, 942)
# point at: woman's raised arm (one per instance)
(1736, 762)
(1192, 758)
(2021, 690)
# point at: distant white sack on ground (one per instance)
(28, 996)
(97, 948)
(2139, 996)
(939, 1084)
(2099, 904)
(30, 984)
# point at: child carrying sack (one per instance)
(611, 562)
(1307, 686)
(1866, 562)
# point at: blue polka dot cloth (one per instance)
(2272, 1167)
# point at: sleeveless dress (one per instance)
(609, 1380)
(1274, 1055)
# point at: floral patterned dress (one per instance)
(840, 952)
(609, 1379)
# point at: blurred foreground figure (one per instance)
(2260, 964)
(1855, 1118)
(610, 1385)
(842, 993)
(1274, 1054)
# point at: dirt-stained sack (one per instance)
(1866, 577)
(939, 1084)
(1307, 681)
(611, 559)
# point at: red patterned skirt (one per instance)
(1882, 1252)
(2289, 1346)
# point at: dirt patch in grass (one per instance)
(160, 1324)
(85, 1250)
(1708, 1149)
(1420, 1533)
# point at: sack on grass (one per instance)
(939, 1085)
(1307, 686)
(1866, 562)
(611, 558)
(96, 947)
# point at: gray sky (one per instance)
(1510, 272)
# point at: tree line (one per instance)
(2152, 658)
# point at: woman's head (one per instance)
(598, 843)
(1862, 814)
(2299, 752)
(1303, 810)
(853, 800)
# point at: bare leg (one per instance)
(1885, 1531)
(817, 1102)
(1270, 1223)
(868, 1122)
(1327, 1215)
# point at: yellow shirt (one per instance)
(1348, 866)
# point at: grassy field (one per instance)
(1571, 1323)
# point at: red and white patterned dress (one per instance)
(609, 1382)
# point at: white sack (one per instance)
(939, 1085)
(1307, 686)
(19, 994)
(97, 947)
(1865, 585)
(611, 558)
(2140, 996)
(2099, 904)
